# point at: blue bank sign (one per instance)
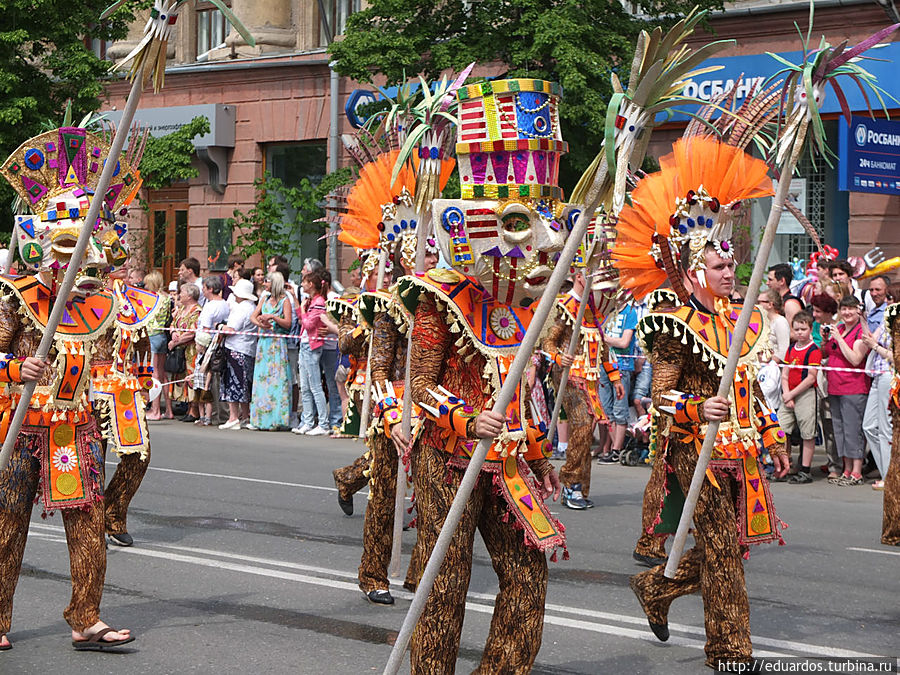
(752, 71)
(869, 153)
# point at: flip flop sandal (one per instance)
(96, 643)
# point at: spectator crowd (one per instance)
(246, 349)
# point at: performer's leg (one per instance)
(650, 545)
(379, 525)
(577, 469)
(435, 642)
(350, 479)
(726, 609)
(122, 488)
(87, 560)
(18, 484)
(890, 526)
(517, 625)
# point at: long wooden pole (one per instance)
(367, 395)
(523, 356)
(72, 270)
(573, 345)
(727, 382)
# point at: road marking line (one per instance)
(486, 608)
(241, 478)
(872, 550)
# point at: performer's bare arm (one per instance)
(31, 369)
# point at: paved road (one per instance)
(243, 563)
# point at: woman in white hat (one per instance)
(240, 349)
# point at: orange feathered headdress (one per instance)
(692, 198)
(379, 213)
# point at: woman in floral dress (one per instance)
(270, 407)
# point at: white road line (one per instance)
(872, 550)
(241, 478)
(485, 607)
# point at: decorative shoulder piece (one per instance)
(452, 413)
(685, 408)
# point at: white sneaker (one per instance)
(318, 431)
(233, 424)
(247, 425)
(301, 431)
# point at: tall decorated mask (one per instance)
(511, 222)
(55, 174)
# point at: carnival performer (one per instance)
(469, 322)
(890, 524)
(59, 451)
(122, 379)
(353, 341)
(380, 216)
(682, 215)
(650, 549)
(580, 399)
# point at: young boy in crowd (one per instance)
(798, 392)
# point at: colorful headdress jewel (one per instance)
(691, 199)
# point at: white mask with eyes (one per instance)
(509, 246)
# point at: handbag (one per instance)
(218, 359)
(176, 361)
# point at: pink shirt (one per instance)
(311, 320)
(842, 382)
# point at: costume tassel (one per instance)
(553, 558)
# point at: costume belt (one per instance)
(62, 441)
(120, 400)
(739, 458)
(592, 394)
(507, 464)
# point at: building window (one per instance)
(336, 14)
(291, 163)
(212, 27)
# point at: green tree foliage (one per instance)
(168, 158)
(577, 43)
(282, 213)
(44, 61)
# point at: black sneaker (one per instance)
(611, 457)
(380, 597)
(189, 418)
(123, 539)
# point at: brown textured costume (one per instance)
(19, 483)
(580, 413)
(577, 468)
(516, 628)
(714, 566)
(890, 525)
(388, 365)
(650, 545)
(351, 479)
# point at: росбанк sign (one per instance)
(869, 153)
